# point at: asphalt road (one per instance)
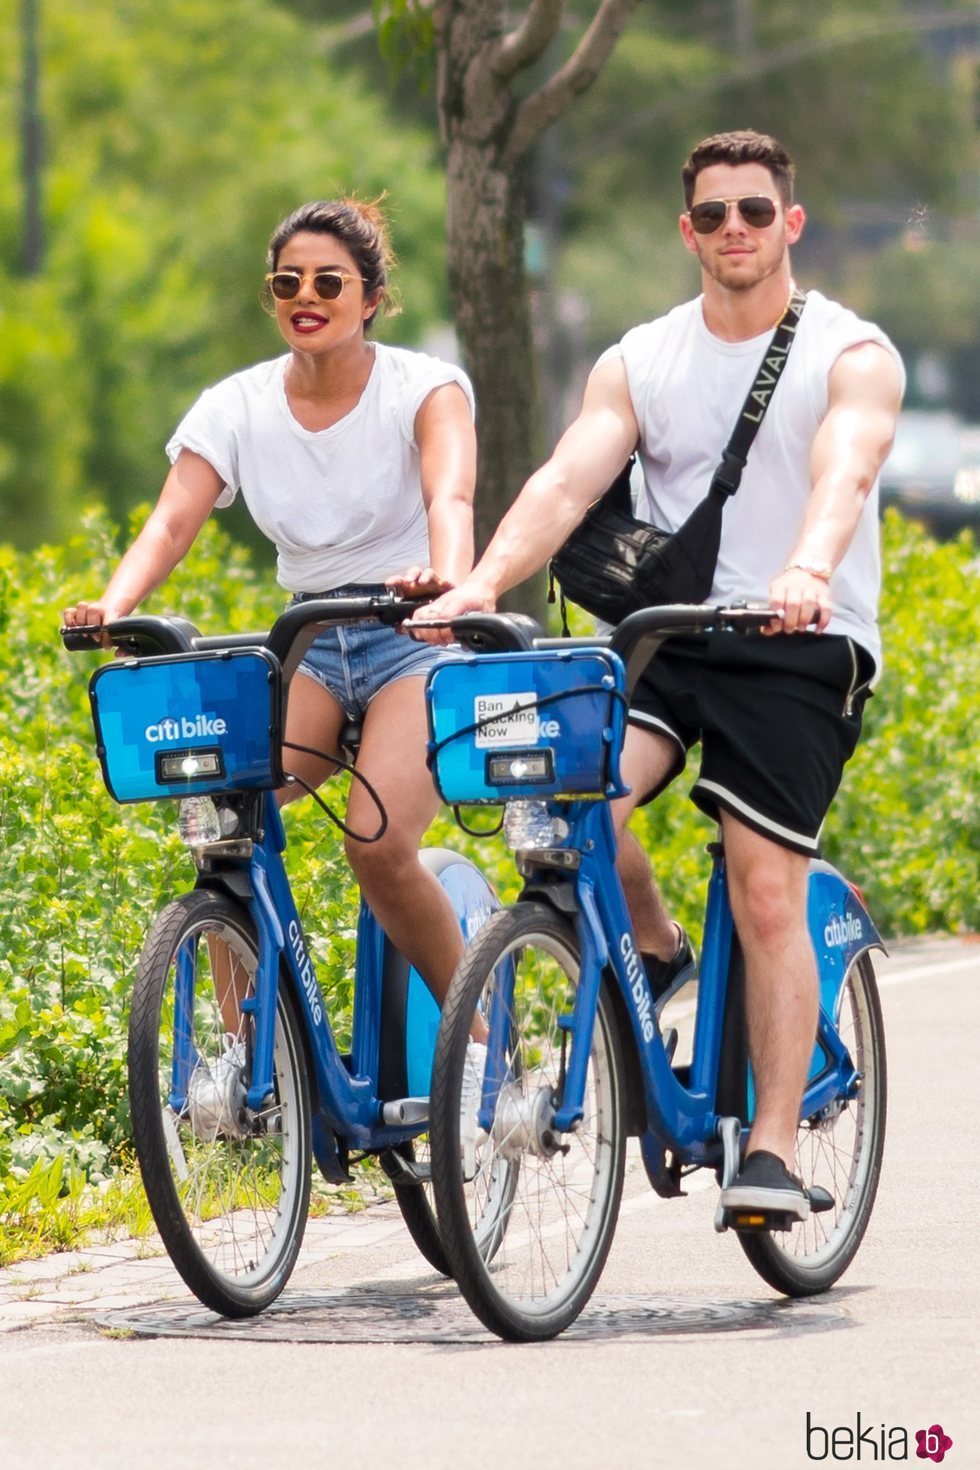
(684, 1358)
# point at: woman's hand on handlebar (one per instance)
(93, 614)
(418, 582)
(469, 596)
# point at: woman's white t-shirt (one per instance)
(687, 387)
(342, 504)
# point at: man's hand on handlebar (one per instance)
(469, 596)
(803, 599)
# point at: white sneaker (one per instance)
(471, 1092)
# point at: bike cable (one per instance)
(357, 775)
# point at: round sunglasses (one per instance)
(328, 285)
(756, 210)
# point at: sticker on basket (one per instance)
(517, 724)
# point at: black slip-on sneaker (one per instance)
(667, 976)
(765, 1186)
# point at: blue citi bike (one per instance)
(236, 1082)
(576, 1058)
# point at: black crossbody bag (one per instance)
(613, 564)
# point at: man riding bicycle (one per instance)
(777, 715)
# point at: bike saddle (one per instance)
(349, 740)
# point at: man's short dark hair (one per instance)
(741, 147)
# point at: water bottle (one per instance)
(528, 824)
(199, 822)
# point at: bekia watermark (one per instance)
(874, 1442)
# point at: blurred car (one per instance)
(933, 471)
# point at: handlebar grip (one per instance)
(138, 634)
(492, 632)
(82, 639)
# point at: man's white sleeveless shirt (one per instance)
(342, 504)
(687, 387)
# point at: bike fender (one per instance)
(233, 881)
(410, 1015)
(841, 929)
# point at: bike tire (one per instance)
(527, 1237)
(417, 1204)
(841, 1152)
(229, 1192)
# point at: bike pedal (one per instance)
(404, 1171)
(756, 1222)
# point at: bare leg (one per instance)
(656, 932)
(767, 886)
(646, 760)
(407, 899)
(314, 719)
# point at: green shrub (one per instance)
(906, 824)
(80, 877)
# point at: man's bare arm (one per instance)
(865, 388)
(586, 460)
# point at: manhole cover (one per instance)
(376, 1315)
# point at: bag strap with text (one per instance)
(728, 475)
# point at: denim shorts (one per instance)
(354, 663)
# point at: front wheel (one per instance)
(527, 1223)
(840, 1151)
(229, 1188)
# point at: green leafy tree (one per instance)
(176, 137)
(504, 75)
(863, 93)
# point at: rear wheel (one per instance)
(415, 1200)
(527, 1231)
(229, 1188)
(839, 1151)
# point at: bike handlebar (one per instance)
(636, 639)
(288, 638)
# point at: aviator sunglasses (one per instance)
(756, 210)
(328, 285)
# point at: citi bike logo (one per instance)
(839, 933)
(639, 989)
(201, 727)
(305, 969)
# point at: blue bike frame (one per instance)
(345, 1101)
(682, 1116)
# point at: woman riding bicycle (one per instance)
(358, 460)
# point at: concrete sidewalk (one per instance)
(84, 1283)
(79, 1285)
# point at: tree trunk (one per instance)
(485, 241)
(31, 140)
(489, 130)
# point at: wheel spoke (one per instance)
(552, 1200)
(228, 1189)
(840, 1153)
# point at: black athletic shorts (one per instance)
(778, 717)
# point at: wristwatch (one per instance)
(817, 568)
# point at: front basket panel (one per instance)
(526, 724)
(188, 724)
